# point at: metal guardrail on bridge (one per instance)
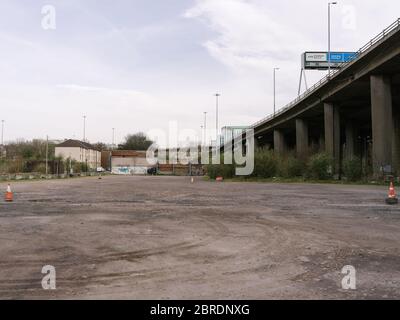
(393, 28)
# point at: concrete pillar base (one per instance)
(382, 125)
(302, 139)
(332, 134)
(350, 140)
(279, 142)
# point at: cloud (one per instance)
(108, 92)
(248, 36)
(18, 41)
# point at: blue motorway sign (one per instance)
(320, 60)
(340, 57)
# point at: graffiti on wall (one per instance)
(128, 170)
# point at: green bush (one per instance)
(15, 166)
(320, 166)
(291, 167)
(40, 168)
(3, 166)
(352, 169)
(79, 167)
(226, 171)
(265, 164)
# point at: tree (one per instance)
(137, 141)
(29, 150)
(100, 146)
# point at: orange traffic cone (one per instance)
(392, 199)
(9, 194)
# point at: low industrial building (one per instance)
(126, 162)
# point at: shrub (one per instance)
(3, 166)
(226, 171)
(352, 169)
(320, 166)
(265, 164)
(79, 167)
(40, 168)
(293, 167)
(15, 166)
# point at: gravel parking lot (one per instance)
(165, 238)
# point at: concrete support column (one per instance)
(332, 134)
(279, 142)
(302, 141)
(382, 124)
(396, 144)
(350, 140)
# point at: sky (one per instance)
(140, 65)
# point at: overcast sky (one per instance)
(137, 64)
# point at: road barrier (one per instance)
(40, 176)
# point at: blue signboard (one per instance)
(339, 57)
(320, 60)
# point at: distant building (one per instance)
(79, 151)
(126, 162)
(230, 133)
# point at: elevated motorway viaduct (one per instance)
(353, 112)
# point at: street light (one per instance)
(2, 132)
(47, 155)
(113, 138)
(275, 69)
(329, 36)
(205, 128)
(217, 95)
(84, 128)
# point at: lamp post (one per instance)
(2, 132)
(47, 155)
(205, 128)
(113, 139)
(329, 36)
(275, 69)
(84, 128)
(217, 95)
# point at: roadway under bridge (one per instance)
(353, 112)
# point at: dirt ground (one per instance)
(165, 238)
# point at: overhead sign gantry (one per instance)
(320, 60)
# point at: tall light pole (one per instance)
(329, 36)
(47, 155)
(217, 95)
(2, 132)
(275, 69)
(202, 135)
(205, 128)
(113, 139)
(84, 128)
